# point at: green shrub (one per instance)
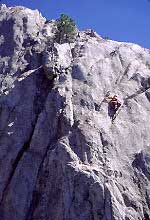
(66, 29)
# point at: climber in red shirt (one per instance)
(113, 106)
(114, 102)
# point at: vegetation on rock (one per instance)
(66, 29)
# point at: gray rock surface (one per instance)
(61, 158)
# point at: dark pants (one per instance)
(112, 108)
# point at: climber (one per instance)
(114, 102)
(113, 106)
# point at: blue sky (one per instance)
(121, 20)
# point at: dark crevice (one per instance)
(147, 94)
(140, 91)
(91, 205)
(51, 146)
(127, 69)
(146, 216)
(141, 171)
(113, 53)
(103, 141)
(147, 199)
(121, 60)
(119, 80)
(36, 195)
(141, 163)
(7, 49)
(144, 89)
(108, 204)
(45, 87)
(129, 202)
(107, 194)
(15, 164)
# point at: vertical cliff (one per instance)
(61, 157)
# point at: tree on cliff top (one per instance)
(66, 29)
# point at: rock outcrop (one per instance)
(61, 158)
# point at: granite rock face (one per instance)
(61, 158)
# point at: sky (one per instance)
(121, 20)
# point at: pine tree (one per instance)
(66, 29)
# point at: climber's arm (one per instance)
(108, 97)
